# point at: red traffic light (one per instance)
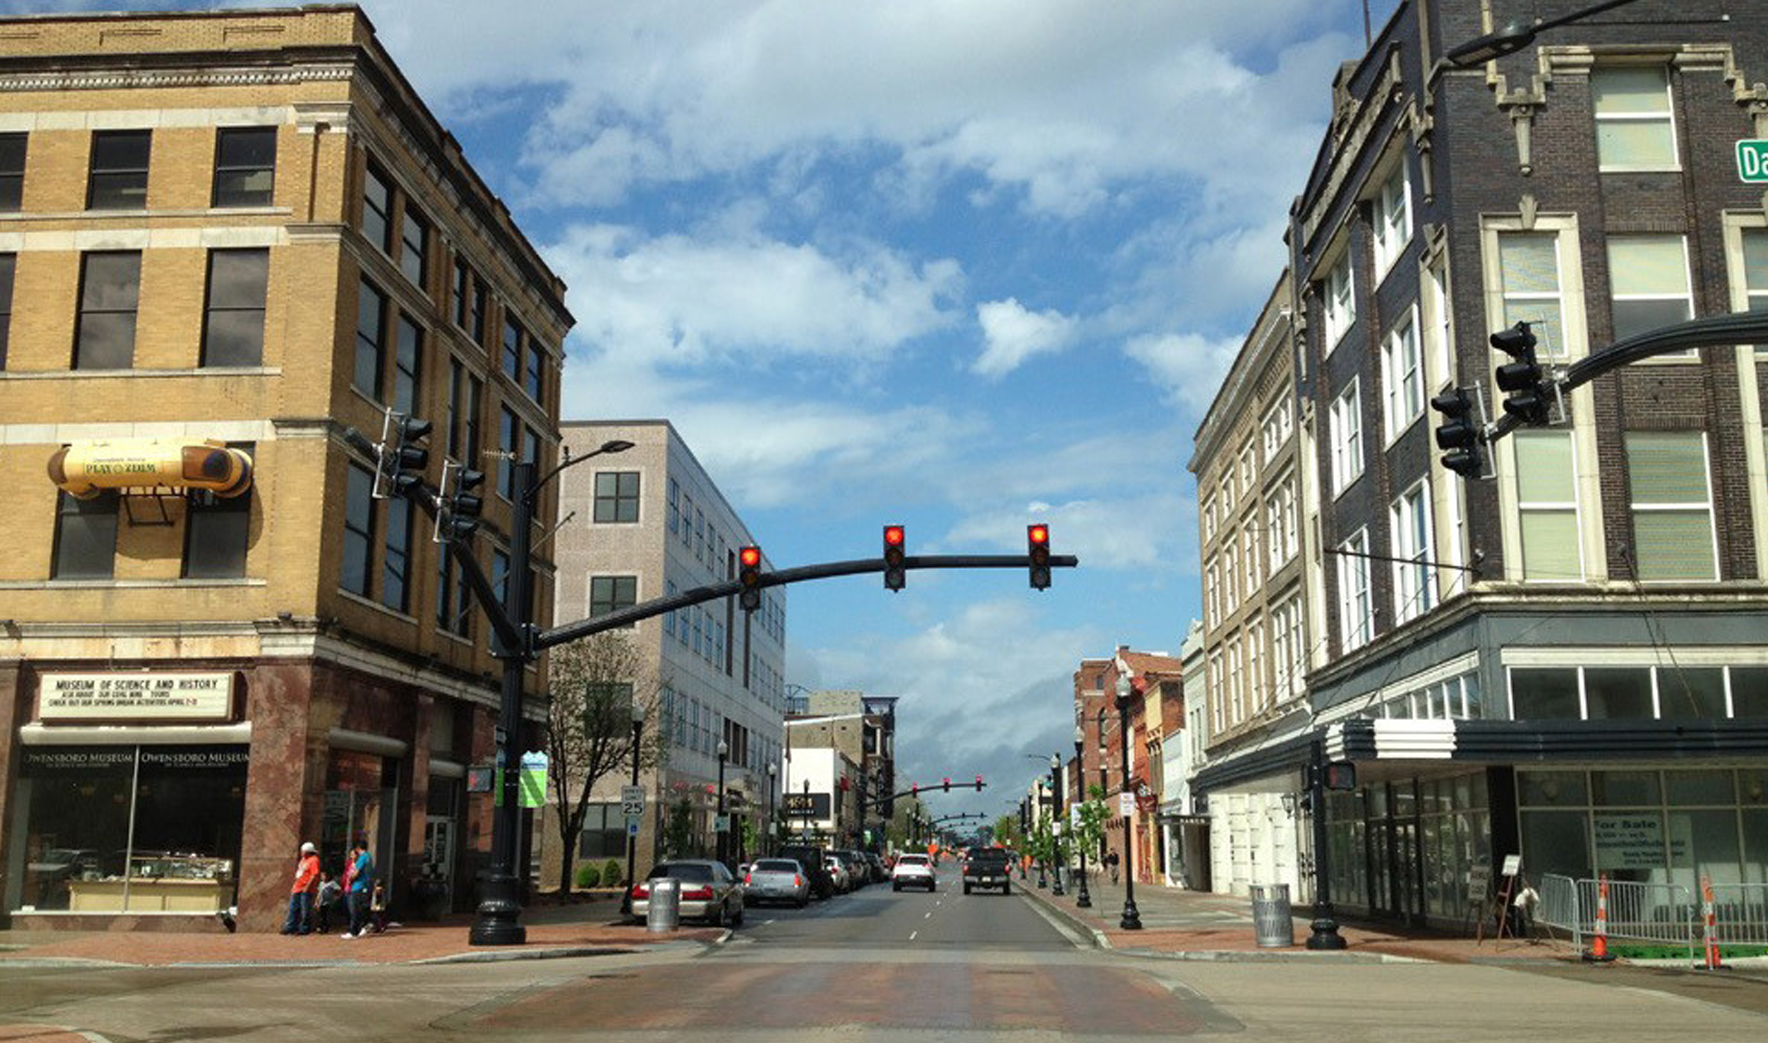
(978, 783)
(1037, 539)
(749, 557)
(895, 574)
(1038, 533)
(948, 783)
(893, 535)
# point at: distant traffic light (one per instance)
(948, 783)
(402, 456)
(895, 575)
(1522, 378)
(1459, 433)
(463, 506)
(915, 790)
(749, 558)
(979, 784)
(1037, 538)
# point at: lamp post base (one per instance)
(1325, 930)
(1056, 887)
(1041, 882)
(1084, 900)
(500, 911)
(1132, 917)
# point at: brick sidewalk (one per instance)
(400, 944)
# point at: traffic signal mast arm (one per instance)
(658, 606)
(915, 791)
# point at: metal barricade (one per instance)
(1740, 912)
(1662, 914)
(664, 911)
(1558, 908)
(1273, 924)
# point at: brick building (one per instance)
(243, 230)
(1156, 717)
(1519, 663)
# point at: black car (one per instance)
(814, 861)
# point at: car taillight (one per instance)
(697, 894)
(797, 881)
(640, 891)
(748, 878)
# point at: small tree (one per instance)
(1007, 833)
(594, 684)
(1091, 833)
(678, 832)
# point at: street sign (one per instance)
(721, 823)
(1752, 161)
(632, 827)
(632, 801)
(1126, 804)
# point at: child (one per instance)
(322, 904)
(378, 906)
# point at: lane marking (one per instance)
(912, 935)
(926, 916)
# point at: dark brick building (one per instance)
(1519, 661)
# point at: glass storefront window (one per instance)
(1689, 694)
(360, 797)
(1704, 843)
(1699, 787)
(1544, 694)
(1625, 789)
(1749, 691)
(1556, 842)
(1618, 694)
(1552, 788)
(75, 807)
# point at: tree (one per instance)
(678, 833)
(1092, 821)
(1007, 833)
(594, 684)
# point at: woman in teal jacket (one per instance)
(361, 886)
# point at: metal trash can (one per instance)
(664, 912)
(1273, 925)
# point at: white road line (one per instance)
(912, 935)
(926, 916)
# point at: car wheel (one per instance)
(718, 917)
(894, 886)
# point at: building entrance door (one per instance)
(438, 864)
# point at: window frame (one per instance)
(1338, 296)
(1616, 298)
(373, 351)
(1705, 507)
(1507, 297)
(8, 280)
(125, 176)
(1345, 432)
(1355, 600)
(1414, 575)
(222, 170)
(1574, 505)
(211, 309)
(1392, 216)
(360, 530)
(618, 499)
(412, 218)
(66, 505)
(1402, 386)
(208, 505)
(1667, 117)
(12, 181)
(86, 310)
(373, 177)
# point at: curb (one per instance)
(506, 955)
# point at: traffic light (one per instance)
(749, 558)
(915, 790)
(1338, 775)
(1459, 433)
(403, 457)
(1037, 537)
(463, 506)
(979, 784)
(1522, 379)
(895, 576)
(948, 783)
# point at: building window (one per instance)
(1755, 268)
(1230, 577)
(508, 431)
(604, 832)
(245, 166)
(358, 532)
(453, 598)
(85, 537)
(377, 210)
(1339, 295)
(1528, 268)
(1649, 277)
(1236, 682)
(233, 323)
(512, 350)
(408, 356)
(12, 172)
(611, 594)
(459, 292)
(396, 567)
(1209, 518)
(1278, 425)
(1255, 670)
(1356, 614)
(1672, 506)
(1280, 525)
(475, 401)
(1393, 220)
(1248, 469)
(1547, 505)
(1634, 126)
(118, 178)
(531, 449)
(456, 387)
(534, 375)
(674, 505)
(8, 265)
(216, 533)
(414, 235)
(110, 292)
(1289, 647)
(616, 496)
(1249, 553)
(1212, 595)
(1346, 425)
(1441, 321)
(371, 345)
(476, 318)
(1402, 377)
(1414, 581)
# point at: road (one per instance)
(871, 966)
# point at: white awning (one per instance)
(136, 734)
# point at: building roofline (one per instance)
(1255, 352)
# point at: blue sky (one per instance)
(962, 266)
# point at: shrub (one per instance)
(588, 876)
(612, 873)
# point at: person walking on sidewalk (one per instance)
(358, 890)
(300, 917)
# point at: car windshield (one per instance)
(772, 865)
(692, 873)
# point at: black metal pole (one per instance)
(1083, 900)
(1132, 917)
(638, 731)
(772, 846)
(500, 893)
(1325, 928)
(1056, 888)
(717, 824)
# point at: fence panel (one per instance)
(1559, 906)
(1662, 914)
(1741, 912)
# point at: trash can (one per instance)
(664, 912)
(1273, 926)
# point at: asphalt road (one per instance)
(871, 966)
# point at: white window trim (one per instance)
(1681, 358)
(1345, 470)
(1424, 598)
(1339, 321)
(1355, 563)
(1393, 380)
(1634, 507)
(1577, 508)
(1388, 253)
(1642, 117)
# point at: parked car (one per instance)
(879, 873)
(838, 872)
(912, 871)
(859, 871)
(708, 891)
(776, 880)
(814, 861)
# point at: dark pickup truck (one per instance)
(988, 867)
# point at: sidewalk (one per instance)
(1199, 925)
(556, 931)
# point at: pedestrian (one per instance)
(1111, 862)
(356, 892)
(300, 916)
(377, 904)
(325, 899)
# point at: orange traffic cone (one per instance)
(1599, 944)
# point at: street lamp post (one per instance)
(1042, 859)
(773, 828)
(1325, 929)
(1083, 900)
(718, 823)
(638, 734)
(1104, 776)
(1056, 820)
(500, 893)
(1515, 37)
(1132, 918)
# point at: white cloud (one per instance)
(1188, 368)
(1011, 334)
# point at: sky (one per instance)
(962, 266)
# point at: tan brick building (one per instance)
(244, 227)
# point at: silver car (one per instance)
(776, 880)
(708, 891)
